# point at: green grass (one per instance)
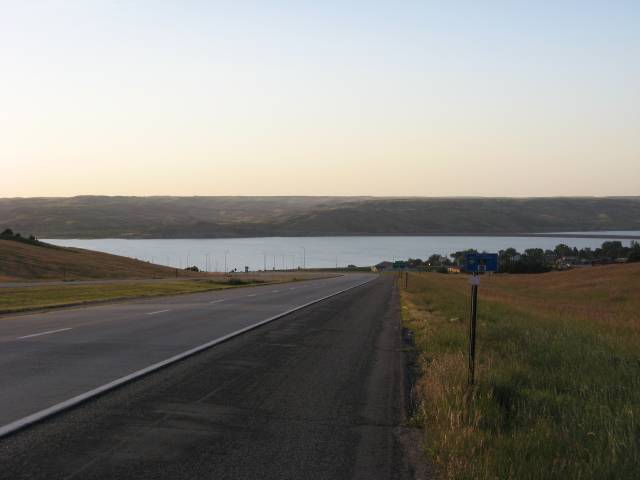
(558, 389)
(29, 298)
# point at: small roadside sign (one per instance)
(476, 263)
(481, 262)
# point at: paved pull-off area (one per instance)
(315, 394)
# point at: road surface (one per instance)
(315, 395)
(47, 358)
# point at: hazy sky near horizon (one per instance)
(491, 98)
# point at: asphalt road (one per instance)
(315, 395)
(47, 358)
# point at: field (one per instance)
(558, 380)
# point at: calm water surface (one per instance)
(319, 252)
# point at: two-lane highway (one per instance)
(52, 357)
(317, 394)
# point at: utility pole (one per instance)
(264, 255)
(304, 258)
(225, 260)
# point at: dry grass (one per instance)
(47, 296)
(21, 261)
(558, 391)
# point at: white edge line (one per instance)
(218, 301)
(48, 332)
(159, 311)
(83, 397)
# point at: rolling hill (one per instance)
(25, 261)
(214, 217)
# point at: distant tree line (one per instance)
(534, 260)
(8, 234)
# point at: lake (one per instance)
(318, 252)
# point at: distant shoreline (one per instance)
(476, 234)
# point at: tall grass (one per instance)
(558, 374)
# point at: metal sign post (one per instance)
(476, 263)
(474, 281)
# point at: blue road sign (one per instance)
(481, 262)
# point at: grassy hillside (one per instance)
(99, 216)
(470, 215)
(184, 217)
(558, 380)
(20, 260)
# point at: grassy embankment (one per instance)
(558, 379)
(19, 299)
(47, 296)
(42, 261)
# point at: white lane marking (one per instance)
(83, 397)
(292, 288)
(252, 295)
(218, 301)
(48, 332)
(275, 291)
(159, 311)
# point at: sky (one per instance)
(397, 98)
